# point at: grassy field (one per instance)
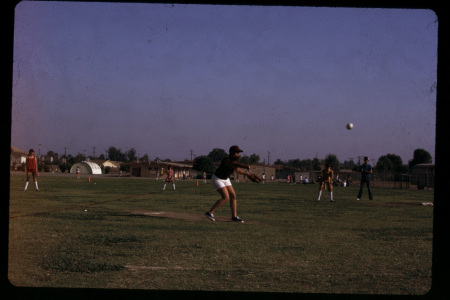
(126, 233)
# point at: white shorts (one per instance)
(220, 183)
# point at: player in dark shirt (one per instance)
(222, 183)
(366, 170)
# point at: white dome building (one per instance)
(86, 167)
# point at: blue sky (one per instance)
(167, 79)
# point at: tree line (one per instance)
(208, 163)
(388, 162)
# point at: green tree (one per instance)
(217, 155)
(294, 163)
(79, 157)
(390, 162)
(63, 167)
(315, 164)
(278, 162)
(245, 160)
(333, 160)
(204, 164)
(420, 156)
(116, 154)
(131, 155)
(254, 159)
(303, 165)
(349, 164)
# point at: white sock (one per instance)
(164, 187)
(331, 195)
(320, 193)
(26, 186)
(35, 183)
(174, 187)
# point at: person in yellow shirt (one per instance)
(327, 182)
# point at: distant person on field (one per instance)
(31, 165)
(222, 183)
(204, 177)
(77, 171)
(169, 178)
(327, 175)
(236, 177)
(366, 170)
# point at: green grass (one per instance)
(80, 234)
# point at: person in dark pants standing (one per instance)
(366, 170)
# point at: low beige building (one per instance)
(158, 169)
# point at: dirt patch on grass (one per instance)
(139, 268)
(182, 216)
(398, 204)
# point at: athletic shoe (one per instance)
(358, 199)
(237, 219)
(209, 216)
(331, 200)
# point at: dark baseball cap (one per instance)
(235, 149)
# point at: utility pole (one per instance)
(268, 158)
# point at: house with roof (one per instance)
(17, 157)
(108, 166)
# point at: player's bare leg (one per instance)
(225, 198)
(320, 191)
(330, 188)
(34, 180)
(26, 183)
(233, 202)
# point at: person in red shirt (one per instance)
(169, 178)
(31, 168)
(222, 183)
